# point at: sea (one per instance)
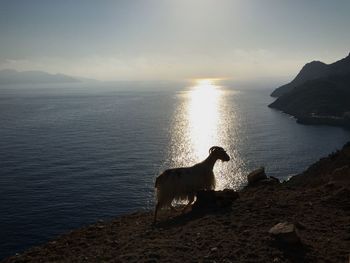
(72, 155)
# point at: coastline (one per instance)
(316, 200)
(316, 120)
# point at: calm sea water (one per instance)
(69, 157)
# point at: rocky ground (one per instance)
(316, 203)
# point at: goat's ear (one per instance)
(213, 149)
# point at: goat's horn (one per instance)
(214, 148)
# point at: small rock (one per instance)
(285, 232)
(275, 179)
(256, 175)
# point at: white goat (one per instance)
(183, 183)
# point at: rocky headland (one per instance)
(306, 219)
(318, 95)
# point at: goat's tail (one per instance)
(160, 179)
(156, 184)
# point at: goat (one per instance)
(183, 183)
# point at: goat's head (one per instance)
(219, 153)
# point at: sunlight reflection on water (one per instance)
(204, 119)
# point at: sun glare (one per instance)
(203, 116)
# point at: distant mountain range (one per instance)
(319, 94)
(10, 76)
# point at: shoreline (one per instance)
(332, 121)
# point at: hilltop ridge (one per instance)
(314, 70)
(11, 76)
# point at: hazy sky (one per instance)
(172, 39)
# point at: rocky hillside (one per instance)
(314, 70)
(319, 94)
(306, 219)
(319, 101)
(330, 170)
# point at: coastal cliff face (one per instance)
(320, 94)
(320, 101)
(316, 202)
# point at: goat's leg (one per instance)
(173, 208)
(155, 212)
(190, 201)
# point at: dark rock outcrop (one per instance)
(256, 176)
(214, 200)
(285, 232)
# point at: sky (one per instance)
(241, 40)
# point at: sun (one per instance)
(203, 83)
